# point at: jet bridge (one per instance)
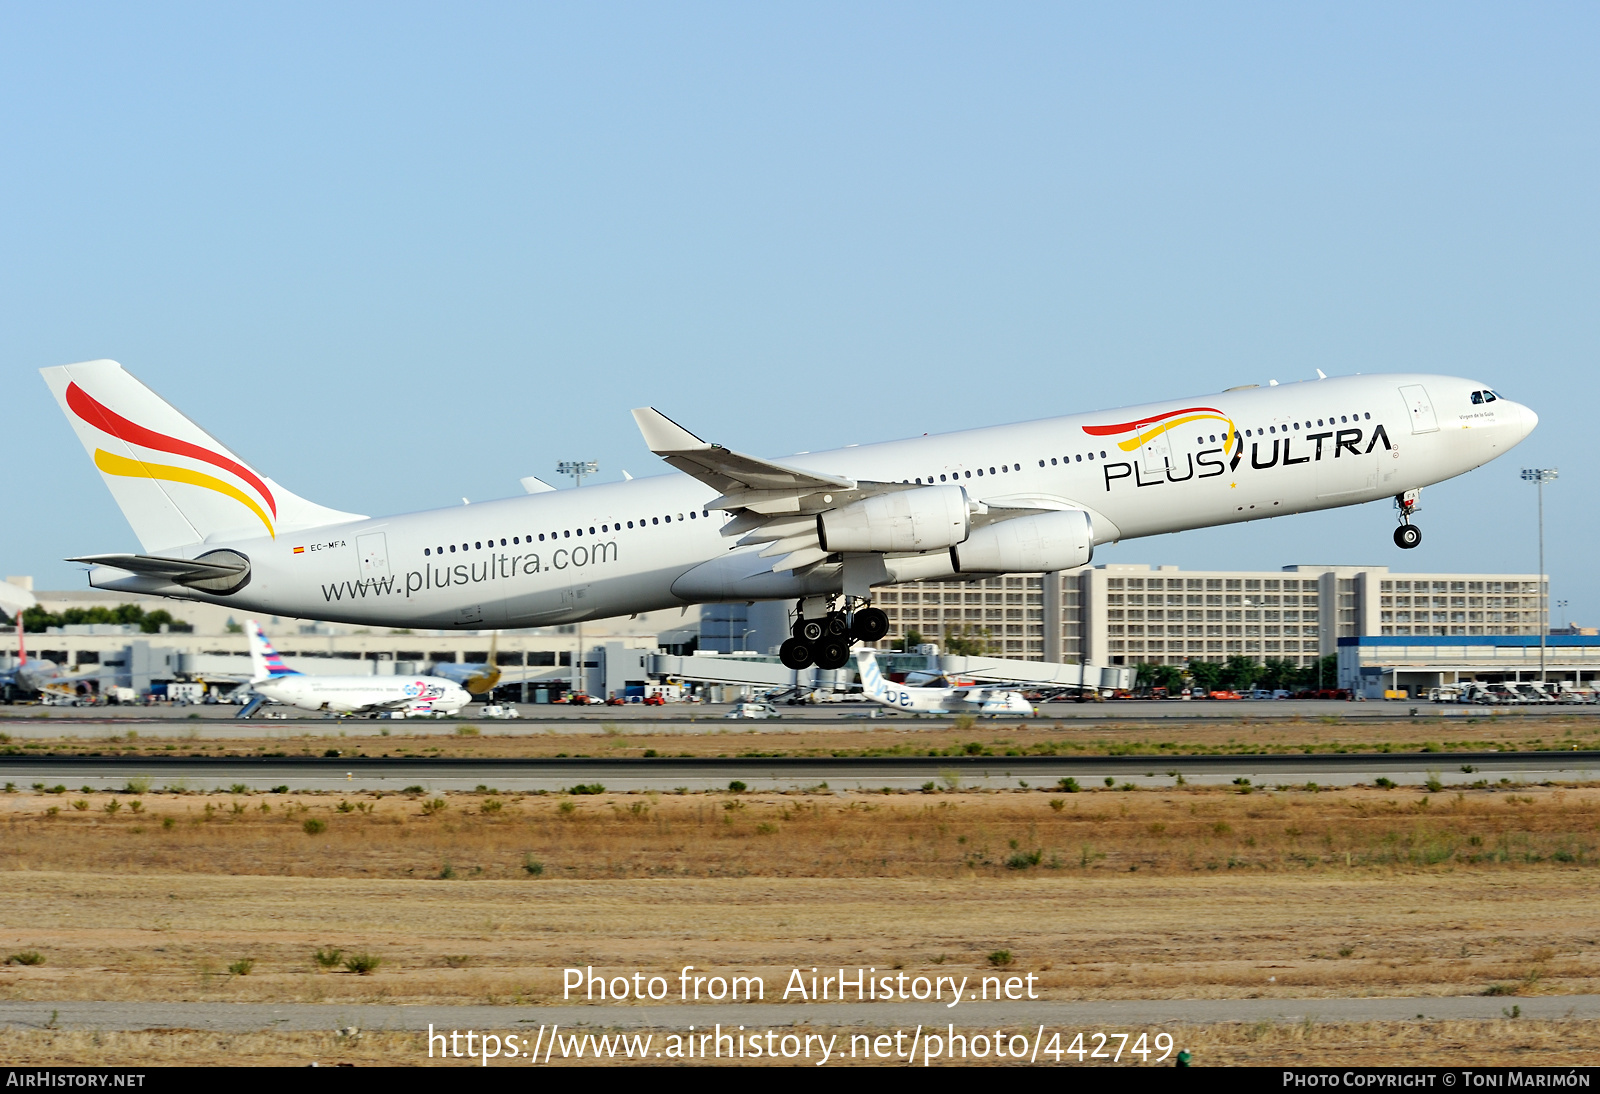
(762, 673)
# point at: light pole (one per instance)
(1539, 476)
(577, 469)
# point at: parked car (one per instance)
(752, 709)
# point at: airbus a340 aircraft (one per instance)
(821, 528)
(347, 694)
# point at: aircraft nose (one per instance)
(1529, 419)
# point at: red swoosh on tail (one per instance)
(109, 421)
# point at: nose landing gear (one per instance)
(1408, 535)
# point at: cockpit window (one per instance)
(1489, 396)
(1477, 398)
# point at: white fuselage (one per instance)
(355, 694)
(648, 544)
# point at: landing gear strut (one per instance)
(1408, 535)
(825, 642)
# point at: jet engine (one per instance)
(1044, 542)
(928, 519)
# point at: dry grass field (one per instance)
(485, 898)
(1349, 1044)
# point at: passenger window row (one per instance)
(1343, 419)
(478, 545)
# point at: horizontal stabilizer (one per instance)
(180, 570)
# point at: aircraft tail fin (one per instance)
(176, 484)
(264, 660)
(867, 665)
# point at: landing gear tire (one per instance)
(809, 631)
(1407, 536)
(795, 653)
(871, 624)
(837, 625)
(831, 653)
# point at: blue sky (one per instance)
(394, 255)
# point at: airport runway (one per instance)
(839, 774)
(1123, 1014)
(217, 721)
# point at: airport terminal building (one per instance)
(1392, 631)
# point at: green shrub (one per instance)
(433, 806)
(80, 805)
(1024, 859)
(1000, 958)
(1058, 804)
(362, 964)
(736, 786)
(328, 957)
(1069, 784)
(168, 822)
(242, 966)
(532, 866)
(491, 805)
(137, 786)
(587, 788)
(314, 827)
(112, 806)
(26, 957)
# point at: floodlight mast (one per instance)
(1539, 476)
(577, 469)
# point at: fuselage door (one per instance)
(1155, 452)
(373, 551)
(1420, 408)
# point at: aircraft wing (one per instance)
(771, 503)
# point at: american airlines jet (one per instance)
(347, 694)
(823, 528)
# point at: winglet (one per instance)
(662, 434)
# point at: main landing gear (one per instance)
(825, 642)
(1408, 535)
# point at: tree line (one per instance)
(36, 620)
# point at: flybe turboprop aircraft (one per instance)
(347, 694)
(822, 528)
(975, 699)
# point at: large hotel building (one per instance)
(1120, 614)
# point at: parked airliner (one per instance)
(347, 694)
(822, 528)
(990, 699)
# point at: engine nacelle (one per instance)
(928, 519)
(1045, 542)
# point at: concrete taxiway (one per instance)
(839, 774)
